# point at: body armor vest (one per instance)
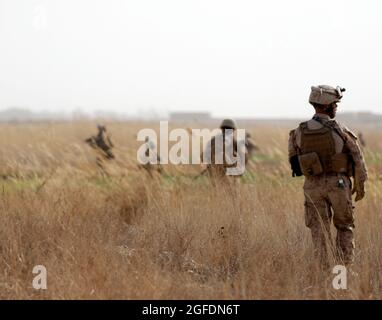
(320, 141)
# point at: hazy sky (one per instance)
(236, 58)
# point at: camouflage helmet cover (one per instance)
(325, 95)
(228, 124)
(101, 127)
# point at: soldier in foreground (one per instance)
(328, 155)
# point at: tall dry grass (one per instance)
(128, 236)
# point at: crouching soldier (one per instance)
(102, 142)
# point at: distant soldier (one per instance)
(328, 154)
(361, 139)
(151, 153)
(102, 141)
(216, 151)
(250, 145)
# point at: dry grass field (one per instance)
(127, 236)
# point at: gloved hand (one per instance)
(359, 188)
(295, 166)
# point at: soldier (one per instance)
(213, 151)
(153, 156)
(328, 154)
(102, 141)
(361, 139)
(250, 145)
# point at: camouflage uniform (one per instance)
(151, 153)
(102, 142)
(250, 145)
(217, 170)
(361, 139)
(328, 195)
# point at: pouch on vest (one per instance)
(340, 163)
(310, 164)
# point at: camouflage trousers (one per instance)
(327, 199)
(226, 184)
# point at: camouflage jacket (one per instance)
(342, 136)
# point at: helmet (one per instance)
(228, 124)
(101, 127)
(325, 95)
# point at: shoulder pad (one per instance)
(350, 133)
(294, 132)
(337, 124)
(303, 125)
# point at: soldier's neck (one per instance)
(322, 116)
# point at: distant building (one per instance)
(190, 116)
